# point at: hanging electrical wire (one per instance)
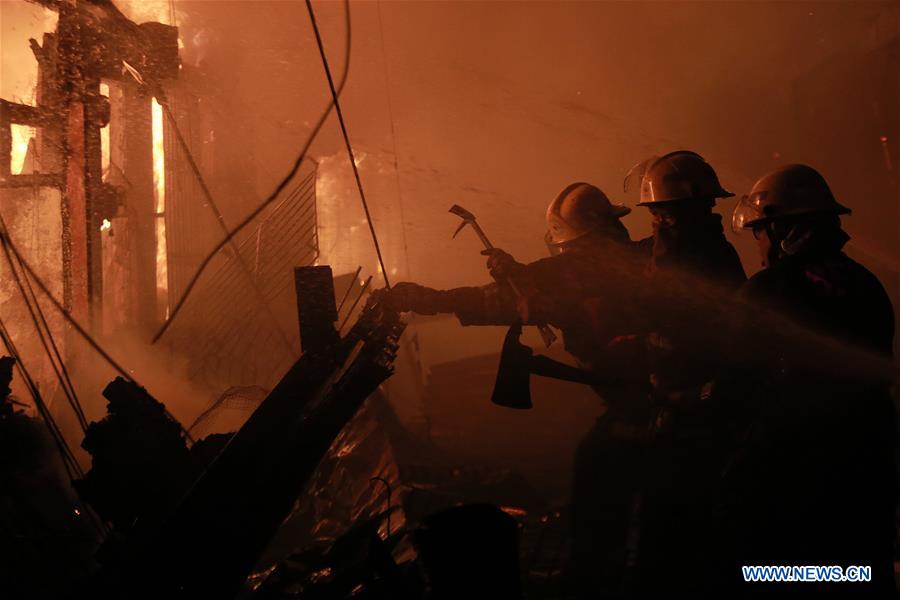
(73, 469)
(390, 105)
(220, 219)
(57, 354)
(69, 462)
(4, 233)
(271, 197)
(52, 354)
(340, 116)
(412, 332)
(7, 242)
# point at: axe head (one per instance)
(467, 217)
(513, 386)
(462, 213)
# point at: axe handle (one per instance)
(547, 367)
(546, 333)
(480, 232)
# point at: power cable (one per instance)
(270, 198)
(64, 371)
(162, 99)
(70, 463)
(220, 219)
(73, 469)
(340, 116)
(414, 357)
(4, 237)
(387, 87)
(53, 354)
(4, 233)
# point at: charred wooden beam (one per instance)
(210, 544)
(132, 124)
(317, 311)
(5, 142)
(151, 48)
(51, 100)
(76, 238)
(32, 180)
(51, 4)
(23, 114)
(13, 113)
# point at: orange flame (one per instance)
(142, 11)
(159, 195)
(104, 137)
(514, 511)
(20, 21)
(21, 136)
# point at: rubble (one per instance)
(166, 197)
(140, 460)
(46, 541)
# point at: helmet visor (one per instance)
(747, 211)
(554, 247)
(635, 175)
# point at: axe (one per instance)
(512, 388)
(469, 219)
(518, 363)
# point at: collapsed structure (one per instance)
(122, 220)
(113, 176)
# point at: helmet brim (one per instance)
(719, 196)
(617, 211)
(838, 209)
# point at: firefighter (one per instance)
(590, 288)
(692, 267)
(816, 484)
(680, 190)
(593, 264)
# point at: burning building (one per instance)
(207, 198)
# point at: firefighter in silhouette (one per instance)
(816, 482)
(692, 267)
(680, 190)
(590, 288)
(593, 263)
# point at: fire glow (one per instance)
(104, 137)
(19, 68)
(21, 136)
(159, 197)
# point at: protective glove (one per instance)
(405, 297)
(501, 264)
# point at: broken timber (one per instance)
(209, 545)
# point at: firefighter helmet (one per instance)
(789, 191)
(577, 210)
(674, 177)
